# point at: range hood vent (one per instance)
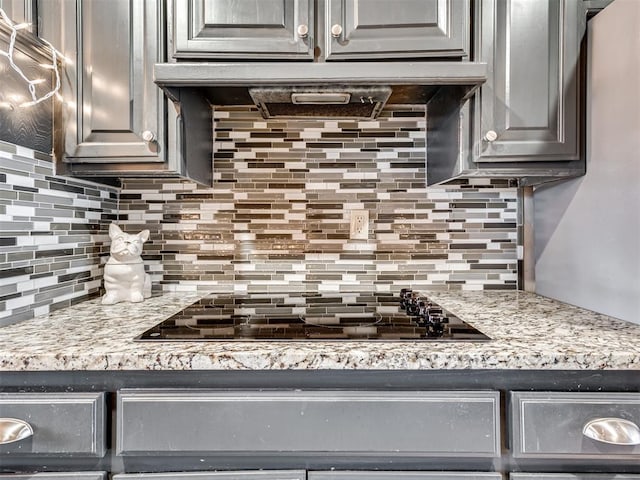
(338, 89)
(354, 90)
(335, 102)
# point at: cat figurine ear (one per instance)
(114, 231)
(124, 277)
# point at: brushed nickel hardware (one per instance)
(614, 431)
(303, 30)
(148, 136)
(336, 30)
(13, 430)
(491, 136)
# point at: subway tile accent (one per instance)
(53, 236)
(277, 217)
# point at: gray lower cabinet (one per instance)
(199, 422)
(56, 476)
(378, 475)
(529, 108)
(230, 475)
(601, 427)
(341, 30)
(573, 476)
(52, 424)
(310, 475)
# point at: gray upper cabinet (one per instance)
(115, 57)
(529, 107)
(383, 29)
(20, 11)
(249, 29)
(116, 113)
(341, 30)
(114, 121)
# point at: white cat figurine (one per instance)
(124, 277)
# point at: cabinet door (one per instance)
(529, 107)
(226, 475)
(243, 29)
(55, 476)
(387, 29)
(20, 11)
(188, 422)
(113, 112)
(572, 476)
(58, 424)
(117, 101)
(595, 426)
(113, 122)
(400, 475)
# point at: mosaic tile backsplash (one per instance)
(53, 235)
(278, 215)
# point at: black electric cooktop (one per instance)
(311, 317)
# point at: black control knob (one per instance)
(405, 296)
(422, 307)
(412, 307)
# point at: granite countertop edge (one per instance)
(528, 332)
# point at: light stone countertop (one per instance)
(528, 332)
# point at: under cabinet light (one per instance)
(320, 98)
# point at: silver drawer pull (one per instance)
(616, 431)
(14, 430)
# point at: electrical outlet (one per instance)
(359, 225)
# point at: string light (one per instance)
(31, 84)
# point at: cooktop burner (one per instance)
(309, 317)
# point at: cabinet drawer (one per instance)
(56, 476)
(63, 424)
(572, 476)
(376, 475)
(550, 425)
(165, 422)
(231, 475)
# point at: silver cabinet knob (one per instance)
(614, 431)
(303, 30)
(491, 136)
(148, 136)
(336, 30)
(14, 430)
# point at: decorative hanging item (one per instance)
(56, 56)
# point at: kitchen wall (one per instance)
(277, 217)
(53, 235)
(587, 230)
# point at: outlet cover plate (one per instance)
(359, 227)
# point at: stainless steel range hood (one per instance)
(322, 90)
(345, 90)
